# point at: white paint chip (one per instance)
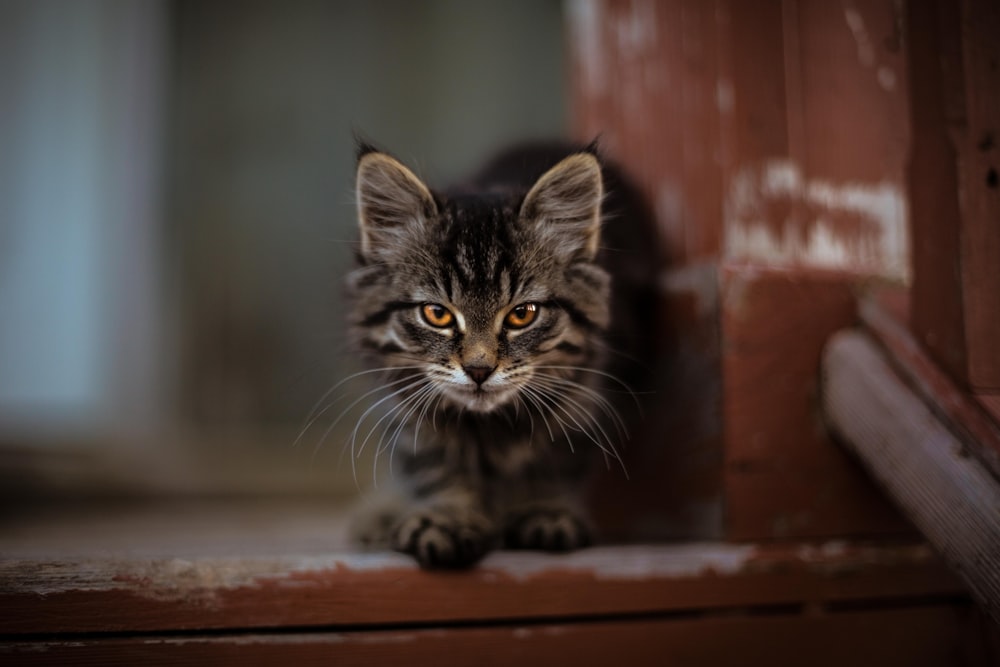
(866, 51)
(848, 226)
(886, 78)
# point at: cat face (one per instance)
(475, 298)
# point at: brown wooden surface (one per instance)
(774, 131)
(784, 476)
(955, 111)
(979, 433)
(979, 163)
(644, 81)
(935, 636)
(202, 565)
(165, 594)
(917, 459)
(991, 403)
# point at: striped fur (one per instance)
(492, 422)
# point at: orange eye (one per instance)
(521, 316)
(437, 315)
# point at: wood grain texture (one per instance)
(934, 635)
(955, 407)
(643, 80)
(991, 403)
(121, 594)
(953, 188)
(813, 147)
(784, 476)
(979, 170)
(916, 458)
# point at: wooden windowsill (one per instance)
(199, 566)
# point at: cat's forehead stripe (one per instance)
(479, 245)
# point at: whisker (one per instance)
(609, 376)
(354, 434)
(313, 415)
(363, 396)
(605, 406)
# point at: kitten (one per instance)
(487, 310)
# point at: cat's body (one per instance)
(491, 309)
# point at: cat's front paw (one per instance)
(547, 529)
(439, 538)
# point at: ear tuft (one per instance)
(564, 206)
(394, 205)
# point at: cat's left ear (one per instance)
(564, 205)
(394, 205)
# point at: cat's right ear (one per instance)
(393, 204)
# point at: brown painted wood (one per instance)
(784, 476)
(129, 594)
(955, 112)
(991, 403)
(644, 82)
(979, 434)
(813, 145)
(934, 635)
(979, 170)
(914, 455)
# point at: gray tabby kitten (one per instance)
(486, 309)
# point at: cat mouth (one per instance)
(483, 399)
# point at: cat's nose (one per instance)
(478, 373)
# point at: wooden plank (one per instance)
(120, 594)
(933, 635)
(784, 477)
(853, 94)
(916, 458)
(979, 434)
(954, 194)
(979, 195)
(814, 149)
(643, 79)
(991, 403)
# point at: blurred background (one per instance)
(176, 215)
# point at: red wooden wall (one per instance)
(772, 138)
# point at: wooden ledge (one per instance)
(919, 457)
(352, 590)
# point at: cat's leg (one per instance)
(375, 516)
(549, 522)
(446, 529)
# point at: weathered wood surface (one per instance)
(930, 636)
(917, 459)
(964, 415)
(953, 185)
(773, 131)
(202, 565)
(784, 477)
(112, 595)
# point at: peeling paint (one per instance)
(585, 22)
(866, 52)
(774, 215)
(636, 30)
(725, 96)
(700, 281)
(175, 579)
(690, 559)
(886, 78)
